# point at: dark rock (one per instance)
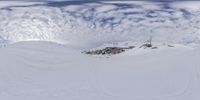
(147, 45)
(109, 50)
(170, 46)
(154, 48)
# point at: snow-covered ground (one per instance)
(49, 71)
(41, 45)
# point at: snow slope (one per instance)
(42, 42)
(49, 71)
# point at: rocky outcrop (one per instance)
(109, 50)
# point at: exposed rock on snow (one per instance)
(147, 45)
(120, 47)
(109, 50)
(170, 45)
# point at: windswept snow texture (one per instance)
(82, 23)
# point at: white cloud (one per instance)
(191, 5)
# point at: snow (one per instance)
(45, 70)
(41, 49)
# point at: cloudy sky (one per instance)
(99, 0)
